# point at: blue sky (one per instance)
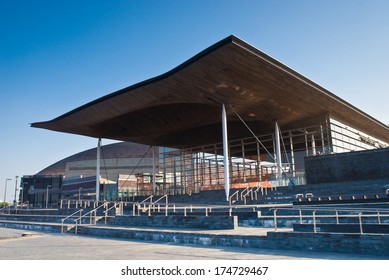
(58, 55)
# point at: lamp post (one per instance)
(47, 195)
(5, 189)
(16, 188)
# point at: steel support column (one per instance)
(98, 170)
(225, 154)
(278, 153)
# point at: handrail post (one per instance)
(159, 208)
(360, 222)
(133, 209)
(149, 210)
(60, 207)
(301, 216)
(68, 204)
(166, 209)
(314, 220)
(230, 212)
(191, 208)
(275, 219)
(174, 208)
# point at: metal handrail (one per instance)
(341, 209)
(91, 211)
(107, 210)
(166, 202)
(243, 192)
(150, 197)
(231, 196)
(71, 215)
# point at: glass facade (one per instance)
(252, 161)
(348, 139)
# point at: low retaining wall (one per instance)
(343, 228)
(366, 244)
(176, 221)
(31, 226)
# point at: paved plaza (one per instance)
(52, 246)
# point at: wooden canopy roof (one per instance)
(182, 108)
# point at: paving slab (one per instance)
(54, 246)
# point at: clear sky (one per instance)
(58, 55)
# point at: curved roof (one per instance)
(182, 108)
(116, 150)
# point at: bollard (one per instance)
(149, 210)
(166, 209)
(174, 208)
(230, 212)
(360, 222)
(337, 217)
(206, 211)
(378, 217)
(191, 209)
(159, 208)
(68, 204)
(61, 204)
(184, 211)
(133, 209)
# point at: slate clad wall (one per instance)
(343, 167)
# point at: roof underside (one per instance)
(182, 108)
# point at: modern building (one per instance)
(229, 117)
(75, 176)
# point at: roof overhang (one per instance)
(182, 108)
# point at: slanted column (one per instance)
(98, 170)
(225, 154)
(313, 144)
(154, 183)
(278, 153)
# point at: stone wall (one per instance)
(344, 167)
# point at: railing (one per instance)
(166, 201)
(378, 214)
(234, 194)
(67, 203)
(6, 207)
(148, 198)
(242, 193)
(71, 215)
(91, 216)
(116, 206)
(249, 192)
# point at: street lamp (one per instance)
(47, 195)
(5, 189)
(16, 188)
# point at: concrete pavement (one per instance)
(53, 246)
